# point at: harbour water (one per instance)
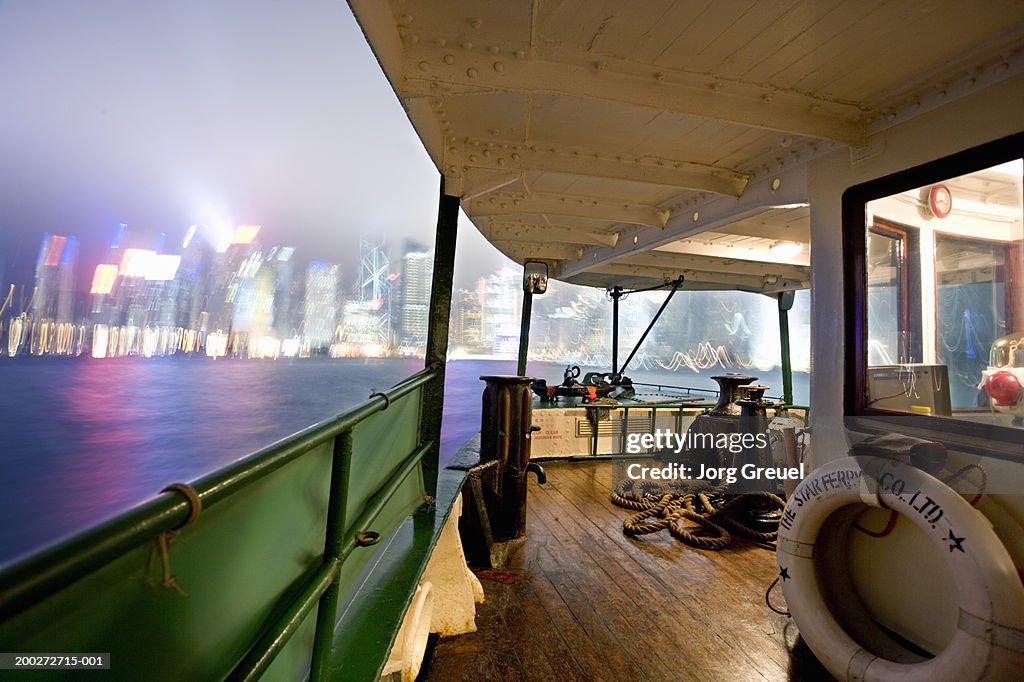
(84, 439)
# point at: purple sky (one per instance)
(163, 114)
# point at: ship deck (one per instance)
(582, 601)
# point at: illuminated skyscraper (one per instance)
(321, 304)
(414, 287)
(375, 288)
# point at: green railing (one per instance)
(219, 579)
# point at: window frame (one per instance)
(989, 439)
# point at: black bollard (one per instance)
(505, 428)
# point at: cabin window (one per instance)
(937, 311)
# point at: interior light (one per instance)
(786, 249)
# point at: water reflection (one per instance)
(83, 439)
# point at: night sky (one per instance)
(216, 112)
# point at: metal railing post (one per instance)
(337, 522)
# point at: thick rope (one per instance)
(712, 514)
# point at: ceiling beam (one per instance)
(505, 231)
(699, 246)
(784, 188)
(584, 75)
(520, 251)
(729, 266)
(764, 283)
(474, 183)
(592, 208)
(471, 155)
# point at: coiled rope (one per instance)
(712, 512)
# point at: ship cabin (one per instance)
(865, 154)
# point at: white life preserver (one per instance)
(988, 643)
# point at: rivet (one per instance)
(696, 216)
(659, 76)
(515, 157)
(501, 162)
(494, 49)
(472, 158)
(449, 59)
(520, 54)
(424, 66)
(766, 98)
(441, 42)
(499, 67)
(715, 85)
(467, 45)
(476, 22)
(890, 116)
(487, 153)
(434, 85)
(635, 239)
(451, 169)
(785, 141)
(776, 184)
(600, 65)
(471, 72)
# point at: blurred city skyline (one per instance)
(170, 115)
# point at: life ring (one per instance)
(988, 643)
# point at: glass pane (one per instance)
(885, 268)
(945, 317)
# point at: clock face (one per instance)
(940, 201)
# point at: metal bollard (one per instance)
(505, 428)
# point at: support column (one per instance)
(616, 295)
(524, 333)
(785, 305)
(437, 331)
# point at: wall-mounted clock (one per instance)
(940, 201)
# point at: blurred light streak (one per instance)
(103, 279)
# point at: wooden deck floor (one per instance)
(588, 603)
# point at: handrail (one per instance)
(57, 566)
(688, 389)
